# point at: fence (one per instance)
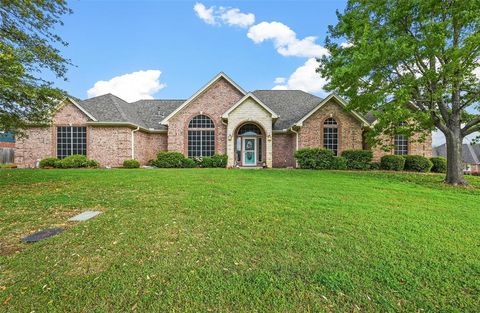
(7, 155)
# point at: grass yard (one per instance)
(201, 240)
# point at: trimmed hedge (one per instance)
(417, 163)
(48, 162)
(358, 159)
(73, 161)
(339, 163)
(217, 160)
(439, 164)
(131, 164)
(167, 159)
(375, 166)
(392, 162)
(314, 158)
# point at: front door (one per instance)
(249, 156)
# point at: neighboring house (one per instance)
(260, 128)
(471, 156)
(7, 140)
(7, 147)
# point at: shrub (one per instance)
(339, 163)
(439, 164)
(314, 158)
(417, 163)
(375, 166)
(75, 161)
(358, 159)
(170, 160)
(392, 162)
(219, 160)
(188, 163)
(48, 162)
(131, 164)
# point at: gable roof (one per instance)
(200, 91)
(250, 95)
(339, 100)
(143, 113)
(471, 153)
(290, 105)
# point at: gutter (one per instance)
(128, 124)
(133, 141)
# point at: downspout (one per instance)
(133, 141)
(296, 144)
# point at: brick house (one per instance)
(259, 128)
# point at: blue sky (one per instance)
(108, 39)
(170, 49)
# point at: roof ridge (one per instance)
(474, 155)
(117, 105)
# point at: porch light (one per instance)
(269, 137)
(230, 137)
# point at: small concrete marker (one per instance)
(84, 216)
(44, 234)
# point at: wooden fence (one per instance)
(7, 155)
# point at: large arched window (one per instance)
(400, 142)
(201, 137)
(330, 135)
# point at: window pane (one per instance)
(330, 139)
(201, 121)
(71, 140)
(401, 145)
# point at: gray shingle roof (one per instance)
(290, 105)
(471, 153)
(144, 113)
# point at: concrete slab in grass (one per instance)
(84, 216)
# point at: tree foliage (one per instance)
(410, 60)
(28, 52)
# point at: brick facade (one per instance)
(415, 147)
(213, 102)
(283, 150)
(350, 131)
(111, 145)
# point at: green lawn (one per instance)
(239, 241)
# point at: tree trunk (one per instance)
(455, 158)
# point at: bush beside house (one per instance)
(319, 159)
(392, 163)
(73, 161)
(358, 159)
(417, 163)
(131, 164)
(439, 164)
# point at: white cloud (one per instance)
(130, 87)
(346, 44)
(218, 15)
(280, 80)
(207, 15)
(304, 78)
(285, 40)
(234, 17)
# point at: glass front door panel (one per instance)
(249, 151)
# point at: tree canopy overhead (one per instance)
(28, 51)
(410, 60)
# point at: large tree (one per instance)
(410, 61)
(29, 53)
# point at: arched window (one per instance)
(330, 135)
(249, 131)
(201, 137)
(400, 142)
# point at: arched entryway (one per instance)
(250, 145)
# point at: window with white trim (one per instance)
(201, 137)
(71, 140)
(330, 135)
(401, 144)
